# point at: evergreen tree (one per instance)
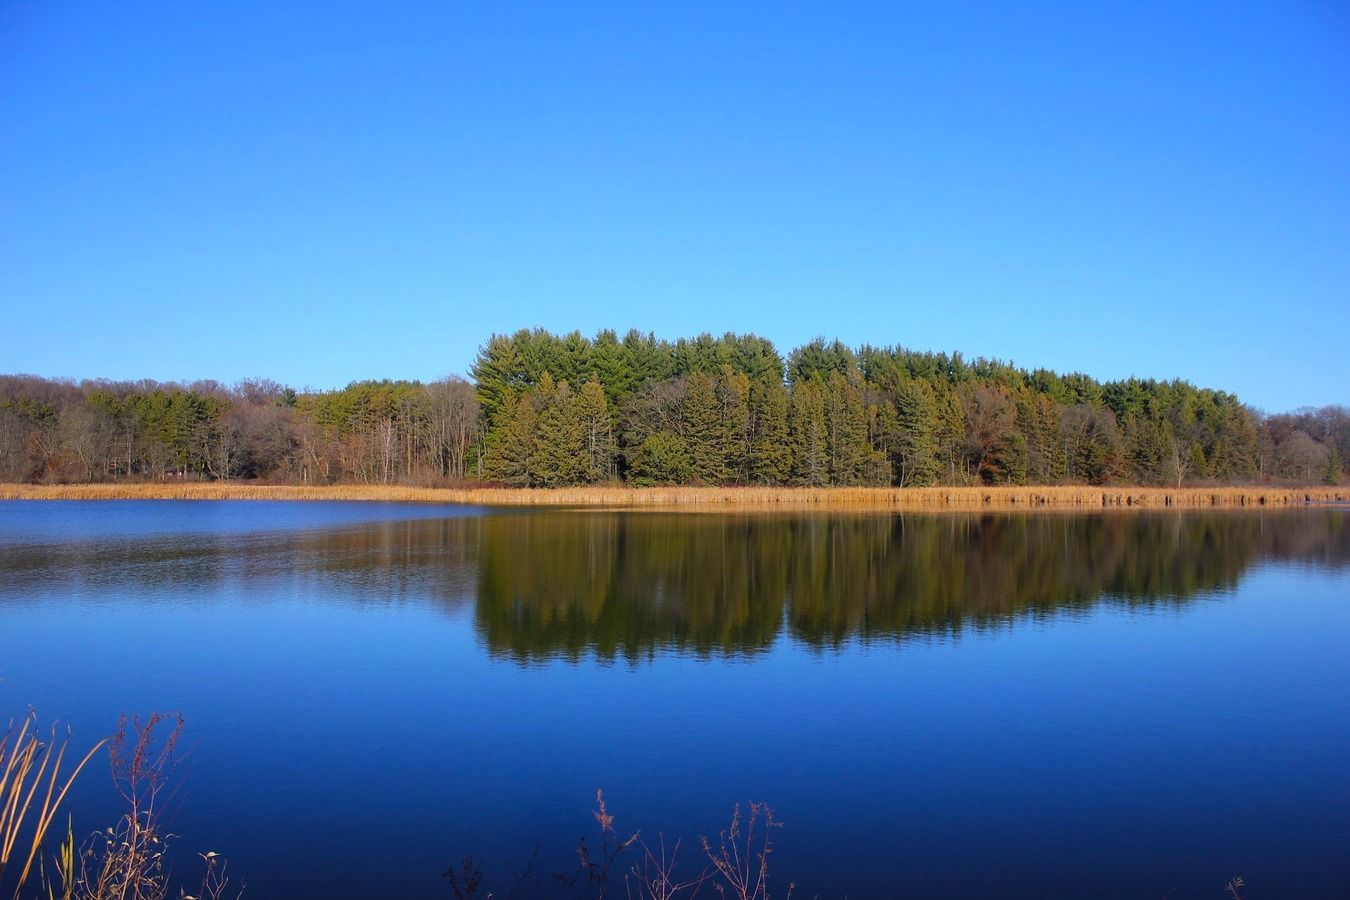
(1038, 422)
(647, 358)
(1199, 463)
(819, 359)
(808, 435)
(1145, 448)
(846, 430)
(912, 441)
(950, 431)
(1335, 466)
(496, 372)
(663, 458)
(753, 356)
(510, 444)
(733, 395)
(561, 454)
(699, 355)
(878, 470)
(610, 366)
(703, 432)
(1092, 444)
(1014, 459)
(574, 359)
(770, 450)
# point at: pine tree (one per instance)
(913, 446)
(646, 358)
(496, 373)
(662, 458)
(510, 444)
(1148, 446)
(846, 430)
(949, 431)
(703, 433)
(561, 456)
(1013, 461)
(770, 451)
(1335, 466)
(733, 394)
(807, 434)
(609, 365)
(574, 359)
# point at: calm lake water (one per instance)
(1129, 704)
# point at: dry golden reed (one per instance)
(31, 782)
(705, 498)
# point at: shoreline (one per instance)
(704, 498)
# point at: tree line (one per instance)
(548, 410)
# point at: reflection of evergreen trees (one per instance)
(624, 585)
(628, 584)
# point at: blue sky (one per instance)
(331, 192)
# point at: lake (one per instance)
(1131, 704)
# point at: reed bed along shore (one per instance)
(703, 498)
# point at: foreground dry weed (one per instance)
(126, 862)
(736, 866)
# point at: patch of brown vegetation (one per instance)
(703, 498)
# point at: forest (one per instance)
(546, 410)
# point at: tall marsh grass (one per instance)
(33, 785)
(705, 498)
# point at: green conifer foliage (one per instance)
(704, 435)
(733, 397)
(808, 435)
(496, 373)
(846, 430)
(511, 444)
(1038, 422)
(561, 454)
(663, 458)
(770, 450)
(912, 437)
(1335, 465)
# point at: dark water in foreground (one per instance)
(1133, 705)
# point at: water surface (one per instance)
(1121, 704)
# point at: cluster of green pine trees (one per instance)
(561, 410)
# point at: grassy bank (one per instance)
(705, 498)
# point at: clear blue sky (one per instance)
(324, 193)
